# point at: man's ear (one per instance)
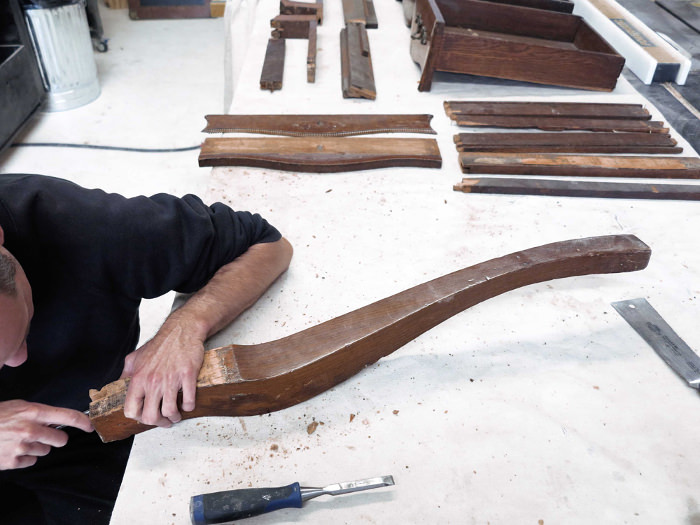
(2, 236)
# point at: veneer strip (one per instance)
(320, 155)
(568, 188)
(454, 108)
(246, 380)
(273, 67)
(582, 165)
(562, 124)
(319, 125)
(565, 142)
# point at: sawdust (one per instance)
(312, 427)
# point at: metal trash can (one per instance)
(61, 38)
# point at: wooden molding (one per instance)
(563, 124)
(564, 142)
(457, 109)
(319, 125)
(239, 380)
(299, 26)
(360, 12)
(320, 155)
(572, 188)
(356, 63)
(582, 165)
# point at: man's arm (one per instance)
(170, 362)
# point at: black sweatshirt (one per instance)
(90, 258)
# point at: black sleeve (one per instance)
(141, 247)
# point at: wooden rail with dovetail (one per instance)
(240, 380)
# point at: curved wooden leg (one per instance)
(240, 380)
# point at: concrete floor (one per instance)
(158, 80)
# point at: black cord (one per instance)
(93, 146)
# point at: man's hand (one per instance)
(26, 432)
(166, 364)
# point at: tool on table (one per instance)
(661, 337)
(229, 505)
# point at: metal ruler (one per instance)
(654, 330)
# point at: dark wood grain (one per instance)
(562, 6)
(290, 7)
(320, 155)
(510, 41)
(357, 75)
(457, 108)
(292, 26)
(239, 380)
(572, 188)
(273, 67)
(564, 142)
(319, 125)
(581, 165)
(562, 124)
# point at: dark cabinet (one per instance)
(21, 87)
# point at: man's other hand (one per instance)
(159, 370)
(26, 431)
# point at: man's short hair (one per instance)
(7, 275)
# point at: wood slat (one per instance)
(320, 155)
(356, 63)
(561, 188)
(563, 124)
(292, 26)
(567, 142)
(562, 6)
(319, 125)
(456, 108)
(273, 67)
(581, 165)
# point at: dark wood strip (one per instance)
(290, 7)
(582, 165)
(356, 63)
(563, 124)
(320, 155)
(455, 108)
(273, 67)
(565, 142)
(319, 125)
(561, 188)
(562, 6)
(370, 15)
(311, 54)
(354, 12)
(292, 26)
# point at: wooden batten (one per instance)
(290, 7)
(320, 155)
(563, 142)
(356, 63)
(572, 188)
(562, 124)
(638, 166)
(456, 109)
(273, 67)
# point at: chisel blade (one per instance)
(654, 330)
(354, 486)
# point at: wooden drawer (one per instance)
(509, 41)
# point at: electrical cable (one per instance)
(111, 148)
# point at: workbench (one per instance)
(541, 405)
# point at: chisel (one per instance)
(229, 505)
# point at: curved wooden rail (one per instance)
(247, 380)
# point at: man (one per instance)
(74, 266)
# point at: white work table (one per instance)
(541, 405)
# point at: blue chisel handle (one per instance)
(230, 505)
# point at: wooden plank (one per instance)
(563, 142)
(246, 380)
(320, 155)
(139, 10)
(563, 124)
(582, 165)
(273, 67)
(455, 108)
(290, 7)
(319, 125)
(562, 6)
(311, 53)
(570, 188)
(356, 63)
(370, 15)
(354, 12)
